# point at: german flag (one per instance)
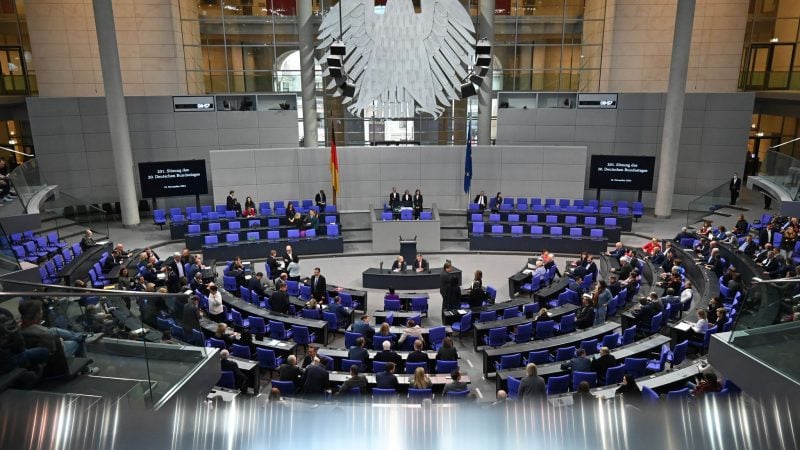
(334, 164)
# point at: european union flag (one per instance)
(468, 161)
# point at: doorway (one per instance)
(769, 66)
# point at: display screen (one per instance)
(628, 173)
(173, 178)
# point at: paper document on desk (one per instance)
(683, 326)
(101, 242)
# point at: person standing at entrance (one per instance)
(734, 186)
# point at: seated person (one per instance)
(702, 249)
(741, 226)
(748, 246)
(387, 379)
(366, 330)
(652, 248)
(482, 201)
(580, 363)
(399, 264)
(412, 329)
(249, 208)
(585, 315)
(290, 213)
(230, 366)
(498, 200)
(646, 309)
(420, 264)
(342, 314)
(684, 234)
(456, 385)
(311, 221)
(359, 353)
(87, 240)
(36, 335)
(356, 381)
(618, 252)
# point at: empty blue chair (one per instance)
(230, 237)
(655, 324)
(556, 231)
(215, 343)
(412, 366)
(557, 385)
(426, 215)
(257, 325)
(390, 304)
(305, 292)
(386, 215)
(406, 214)
(610, 221)
(516, 230)
(314, 314)
(578, 377)
(211, 240)
(703, 345)
(462, 326)
(638, 210)
(477, 227)
(491, 293)
(531, 218)
(637, 367)
(293, 234)
(332, 229)
(193, 228)
(565, 353)
(513, 387)
(159, 218)
(445, 366)
(497, 229)
(571, 220)
(229, 283)
(524, 333)
(419, 304)
(487, 316)
(537, 230)
(236, 225)
(596, 233)
(533, 286)
(576, 232)
(545, 329)
(539, 357)
(614, 374)
(214, 227)
(273, 235)
(509, 362)
(350, 338)
(589, 346)
(622, 210)
(420, 393)
(347, 363)
(609, 340)
(679, 395)
(195, 217)
(657, 365)
(436, 335)
(513, 218)
(301, 335)
(377, 341)
(236, 319)
(590, 220)
(253, 236)
(510, 313)
(551, 218)
(286, 388)
(496, 337)
(277, 330)
(267, 360)
(240, 351)
(567, 324)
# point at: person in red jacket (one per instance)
(652, 248)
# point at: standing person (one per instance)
(215, 310)
(734, 186)
(321, 200)
(293, 269)
(279, 301)
(498, 200)
(406, 199)
(602, 296)
(481, 200)
(532, 387)
(319, 288)
(444, 278)
(417, 203)
(452, 296)
(394, 198)
(230, 201)
(476, 293)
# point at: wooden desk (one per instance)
(491, 355)
(403, 281)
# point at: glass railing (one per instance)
(72, 215)
(136, 361)
(27, 181)
(782, 170)
(707, 203)
(8, 259)
(767, 326)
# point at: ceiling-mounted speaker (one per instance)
(468, 90)
(334, 61)
(348, 89)
(335, 72)
(483, 47)
(338, 48)
(476, 79)
(484, 60)
(481, 70)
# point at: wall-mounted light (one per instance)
(12, 141)
(774, 39)
(760, 134)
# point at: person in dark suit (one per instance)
(288, 255)
(767, 235)
(87, 240)
(289, 371)
(417, 203)
(256, 285)
(279, 301)
(417, 355)
(585, 315)
(456, 385)
(315, 379)
(359, 353)
(748, 247)
(274, 264)
(319, 289)
(394, 198)
(645, 313)
(399, 264)
(773, 263)
(197, 283)
(321, 200)
(387, 379)
(444, 278)
(230, 366)
(366, 330)
(735, 186)
(191, 317)
(498, 200)
(481, 200)
(452, 296)
(406, 200)
(420, 264)
(580, 363)
(532, 387)
(601, 364)
(342, 314)
(387, 355)
(356, 380)
(447, 352)
(230, 201)
(173, 281)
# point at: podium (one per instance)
(408, 249)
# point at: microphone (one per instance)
(381, 269)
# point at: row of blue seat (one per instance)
(407, 214)
(548, 219)
(236, 225)
(535, 230)
(331, 230)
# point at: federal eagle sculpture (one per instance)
(404, 61)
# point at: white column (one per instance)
(305, 32)
(117, 112)
(673, 113)
(486, 30)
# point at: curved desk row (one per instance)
(530, 243)
(481, 329)
(624, 221)
(374, 278)
(492, 355)
(261, 249)
(177, 230)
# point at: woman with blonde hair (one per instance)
(421, 380)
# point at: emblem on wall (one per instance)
(401, 60)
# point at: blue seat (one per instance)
(679, 395)
(556, 231)
(240, 351)
(511, 313)
(636, 366)
(678, 354)
(226, 380)
(412, 366)
(390, 304)
(477, 227)
(215, 343)
(420, 393)
(557, 385)
(386, 215)
(436, 335)
(545, 329)
(462, 326)
(267, 359)
(211, 240)
(236, 319)
(257, 325)
(565, 353)
(350, 338)
(703, 345)
(567, 324)
(377, 341)
(378, 392)
(496, 337)
(509, 362)
(649, 395)
(277, 330)
(445, 366)
(531, 218)
(614, 374)
(610, 340)
(426, 215)
(578, 377)
(533, 286)
(657, 365)
(513, 387)
(539, 357)
(230, 237)
(487, 316)
(160, 218)
(497, 229)
(537, 230)
(332, 229)
(589, 346)
(347, 363)
(655, 324)
(301, 335)
(287, 388)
